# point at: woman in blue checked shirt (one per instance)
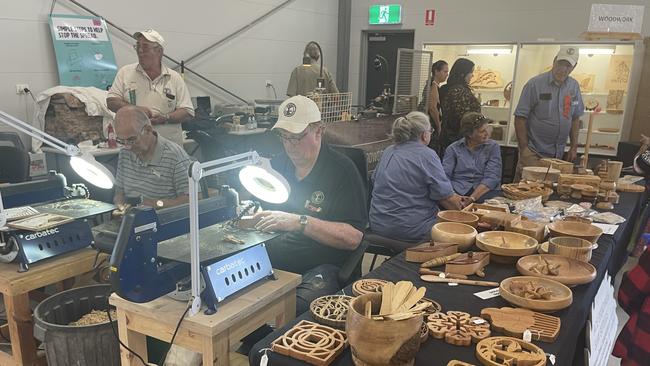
(473, 163)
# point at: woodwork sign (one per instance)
(616, 18)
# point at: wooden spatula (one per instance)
(386, 298)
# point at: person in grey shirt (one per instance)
(304, 78)
(548, 112)
(149, 166)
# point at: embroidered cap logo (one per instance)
(289, 110)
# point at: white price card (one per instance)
(487, 294)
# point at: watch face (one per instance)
(159, 203)
(303, 220)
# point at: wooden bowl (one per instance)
(576, 229)
(454, 232)
(381, 342)
(571, 247)
(561, 298)
(458, 216)
(571, 272)
(506, 243)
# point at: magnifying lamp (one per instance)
(83, 164)
(257, 177)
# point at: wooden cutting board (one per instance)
(40, 222)
(514, 321)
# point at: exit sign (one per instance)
(385, 14)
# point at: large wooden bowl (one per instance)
(458, 216)
(381, 342)
(576, 229)
(455, 233)
(562, 296)
(571, 247)
(571, 272)
(505, 243)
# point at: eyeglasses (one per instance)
(131, 140)
(144, 47)
(292, 138)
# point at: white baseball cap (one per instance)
(296, 113)
(151, 36)
(569, 54)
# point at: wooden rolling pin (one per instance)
(436, 279)
(440, 260)
(426, 271)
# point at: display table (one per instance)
(436, 352)
(15, 288)
(212, 335)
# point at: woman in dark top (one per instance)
(439, 73)
(456, 99)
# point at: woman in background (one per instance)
(439, 73)
(409, 184)
(473, 162)
(456, 99)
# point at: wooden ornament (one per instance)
(458, 328)
(469, 263)
(552, 295)
(508, 351)
(570, 272)
(366, 286)
(311, 342)
(424, 253)
(458, 363)
(514, 321)
(331, 310)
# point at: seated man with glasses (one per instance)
(156, 89)
(150, 168)
(325, 216)
(473, 162)
(409, 184)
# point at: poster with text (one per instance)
(84, 53)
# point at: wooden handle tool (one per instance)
(440, 260)
(426, 271)
(436, 279)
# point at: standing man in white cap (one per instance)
(548, 112)
(159, 91)
(326, 214)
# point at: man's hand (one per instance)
(121, 209)
(572, 154)
(466, 201)
(277, 221)
(159, 119)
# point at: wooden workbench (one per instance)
(15, 288)
(211, 335)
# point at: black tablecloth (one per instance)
(436, 352)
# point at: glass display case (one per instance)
(604, 71)
(493, 73)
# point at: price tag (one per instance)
(487, 294)
(264, 360)
(478, 321)
(528, 335)
(452, 284)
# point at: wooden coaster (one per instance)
(331, 310)
(458, 328)
(366, 286)
(514, 321)
(507, 351)
(311, 342)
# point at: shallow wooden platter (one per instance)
(561, 296)
(505, 243)
(571, 271)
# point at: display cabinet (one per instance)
(604, 71)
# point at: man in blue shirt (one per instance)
(548, 112)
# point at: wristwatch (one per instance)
(160, 204)
(303, 222)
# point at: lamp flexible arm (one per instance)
(198, 171)
(320, 51)
(385, 64)
(32, 131)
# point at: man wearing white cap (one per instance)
(326, 213)
(548, 112)
(159, 91)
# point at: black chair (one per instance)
(14, 165)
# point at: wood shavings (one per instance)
(229, 238)
(94, 317)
